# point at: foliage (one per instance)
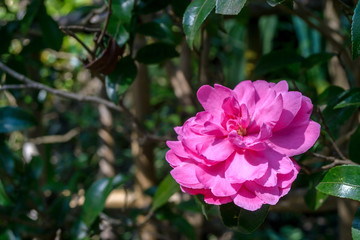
(84, 121)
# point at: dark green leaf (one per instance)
(36, 167)
(95, 198)
(31, 11)
(153, 29)
(4, 199)
(355, 32)
(205, 208)
(120, 79)
(328, 95)
(122, 9)
(156, 53)
(354, 149)
(342, 181)
(276, 60)
(229, 7)
(316, 59)
(242, 220)
(117, 30)
(314, 198)
(52, 35)
(7, 159)
(194, 16)
(352, 100)
(6, 32)
(184, 227)
(273, 3)
(15, 119)
(335, 118)
(150, 6)
(355, 228)
(8, 235)
(165, 190)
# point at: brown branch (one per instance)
(105, 26)
(334, 161)
(70, 33)
(55, 138)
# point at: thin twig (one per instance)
(102, 34)
(70, 33)
(334, 161)
(337, 149)
(55, 138)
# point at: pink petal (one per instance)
(173, 159)
(281, 86)
(245, 167)
(291, 106)
(269, 179)
(295, 140)
(268, 113)
(247, 200)
(219, 150)
(185, 175)
(269, 195)
(245, 94)
(212, 99)
(208, 196)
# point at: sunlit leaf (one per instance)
(165, 190)
(342, 181)
(229, 7)
(355, 32)
(15, 119)
(242, 220)
(194, 16)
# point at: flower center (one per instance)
(241, 131)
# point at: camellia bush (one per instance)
(172, 119)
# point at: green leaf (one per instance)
(314, 198)
(229, 7)
(117, 30)
(151, 6)
(4, 199)
(354, 150)
(15, 119)
(52, 35)
(276, 60)
(273, 3)
(194, 16)
(31, 12)
(355, 32)
(342, 181)
(7, 159)
(326, 96)
(120, 79)
(184, 227)
(165, 190)
(95, 198)
(355, 228)
(8, 235)
(156, 53)
(242, 220)
(352, 100)
(316, 59)
(122, 9)
(153, 29)
(179, 7)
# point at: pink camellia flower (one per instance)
(239, 149)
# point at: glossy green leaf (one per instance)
(52, 35)
(229, 7)
(122, 9)
(242, 220)
(117, 30)
(342, 181)
(355, 228)
(120, 79)
(15, 119)
(354, 149)
(352, 99)
(194, 16)
(4, 199)
(355, 32)
(276, 60)
(95, 198)
(165, 190)
(273, 3)
(156, 53)
(328, 95)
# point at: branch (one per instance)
(80, 98)
(55, 138)
(105, 26)
(334, 161)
